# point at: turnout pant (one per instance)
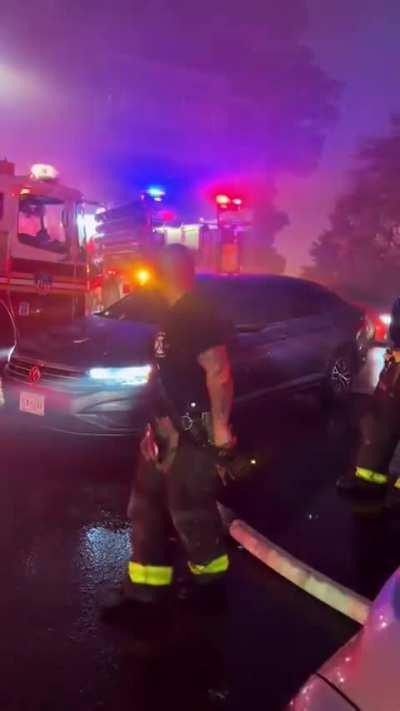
(380, 429)
(182, 498)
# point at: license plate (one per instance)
(32, 403)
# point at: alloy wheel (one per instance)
(341, 376)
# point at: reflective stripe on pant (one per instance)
(192, 501)
(150, 574)
(371, 476)
(380, 433)
(182, 499)
(150, 532)
(214, 567)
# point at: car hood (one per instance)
(93, 341)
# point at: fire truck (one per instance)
(129, 237)
(120, 252)
(43, 259)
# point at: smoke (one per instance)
(118, 92)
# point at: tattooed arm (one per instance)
(216, 364)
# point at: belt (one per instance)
(187, 421)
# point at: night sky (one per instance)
(357, 42)
(197, 95)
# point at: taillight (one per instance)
(381, 326)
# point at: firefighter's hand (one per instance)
(235, 466)
(170, 439)
(148, 446)
(223, 437)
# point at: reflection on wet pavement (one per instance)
(294, 500)
(65, 541)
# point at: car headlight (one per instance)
(133, 375)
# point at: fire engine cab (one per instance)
(42, 255)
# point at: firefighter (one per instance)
(176, 482)
(380, 430)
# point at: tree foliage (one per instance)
(360, 251)
(260, 254)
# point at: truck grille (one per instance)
(20, 368)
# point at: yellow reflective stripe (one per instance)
(150, 574)
(397, 484)
(218, 565)
(371, 476)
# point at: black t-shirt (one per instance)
(188, 328)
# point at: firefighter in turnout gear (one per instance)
(176, 483)
(380, 430)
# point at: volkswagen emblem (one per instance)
(34, 375)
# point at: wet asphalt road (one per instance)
(65, 541)
(307, 448)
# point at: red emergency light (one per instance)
(237, 201)
(166, 215)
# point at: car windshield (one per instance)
(41, 224)
(144, 306)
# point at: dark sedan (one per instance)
(95, 376)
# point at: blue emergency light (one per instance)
(155, 192)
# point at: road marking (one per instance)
(311, 581)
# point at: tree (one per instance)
(360, 252)
(260, 255)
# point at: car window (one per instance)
(260, 302)
(250, 301)
(311, 299)
(143, 306)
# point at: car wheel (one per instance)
(340, 377)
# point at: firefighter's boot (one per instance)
(392, 502)
(138, 616)
(363, 482)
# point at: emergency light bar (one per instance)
(42, 171)
(155, 192)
